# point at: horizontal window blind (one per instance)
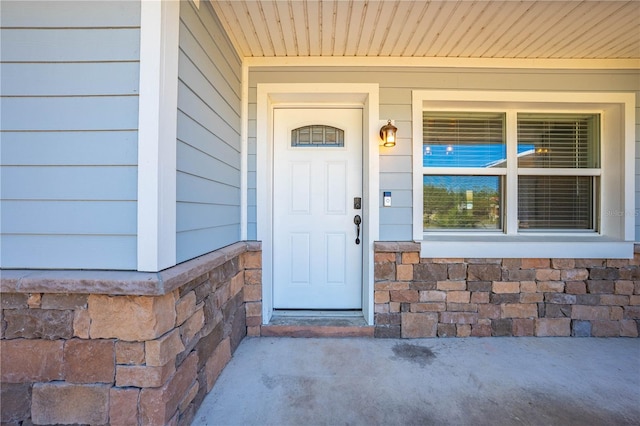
(558, 140)
(464, 139)
(556, 202)
(462, 202)
(548, 146)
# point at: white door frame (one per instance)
(364, 96)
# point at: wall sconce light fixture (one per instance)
(388, 134)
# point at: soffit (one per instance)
(433, 29)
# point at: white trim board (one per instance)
(528, 249)
(268, 97)
(244, 152)
(504, 63)
(157, 132)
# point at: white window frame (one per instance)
(616, 231)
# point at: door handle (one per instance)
(357, 220)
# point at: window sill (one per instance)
(525, 246)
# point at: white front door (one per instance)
(317, 263)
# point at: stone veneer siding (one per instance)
(91, 347)
(418, 297)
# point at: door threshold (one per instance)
(310, 323)
(317, 313)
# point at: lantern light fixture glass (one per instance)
(388, 134)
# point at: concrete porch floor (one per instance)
(471, 381)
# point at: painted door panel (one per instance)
(316, 261)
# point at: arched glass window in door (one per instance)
(317, 136)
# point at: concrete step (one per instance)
(317, 324)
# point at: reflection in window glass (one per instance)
(462, 202)
(317, 135)
(464, 139)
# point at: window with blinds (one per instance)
(558, 140)
(464, 139)
(464, 158)
(556, 202)
(467, 178)
(462, 202)
(556, 197)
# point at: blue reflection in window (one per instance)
(477, 155)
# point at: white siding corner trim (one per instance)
(616, 233)
(157, 115)
(244, 144)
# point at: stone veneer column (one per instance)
(418, 297)
(90, 347)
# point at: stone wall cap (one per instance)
(176, 276)
(384, 246)
(396, 246)
(408, 246)
(9, 280)
(70, 281)
(119, 282)
(254, 245)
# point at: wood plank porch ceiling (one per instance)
(570, 29)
